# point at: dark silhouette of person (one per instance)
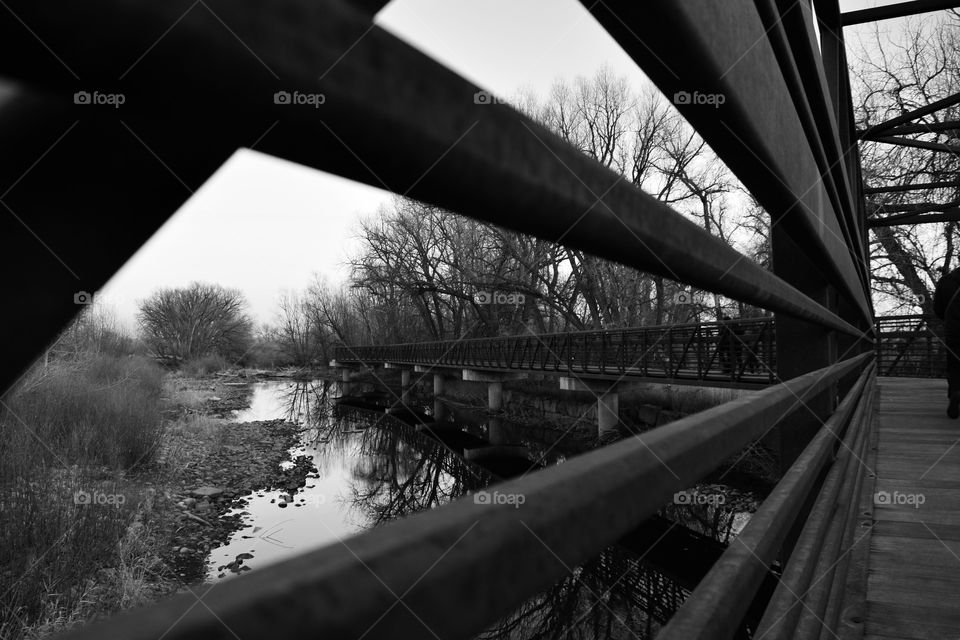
(727, 345)
(946, 306)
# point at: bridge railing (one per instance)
(911, 346)
(392, 117)
(736, 351)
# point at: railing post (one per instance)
(801, 347)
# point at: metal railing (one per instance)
(736, 351)
(739, 351)
(911, 346)
(393, 117)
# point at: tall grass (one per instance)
(71, 434)
(205, 365)
(98, 412)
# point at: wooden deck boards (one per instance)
(913, 584)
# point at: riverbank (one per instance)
(83, 537)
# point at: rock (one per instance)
(189, 502)
(286, 497)
(244, 556)
(207, 492)
(184, 550)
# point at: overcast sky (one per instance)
(264, 225)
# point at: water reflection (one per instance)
(373, 468)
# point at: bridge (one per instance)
(864, 518)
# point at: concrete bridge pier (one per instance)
(347, 385)
(608, 400)
(440, 410)
(404, 380)
(405, 386)
(494, 380)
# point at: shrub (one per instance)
(205, 365)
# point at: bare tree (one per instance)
(892, 77)
(196, 320)
(298, 333)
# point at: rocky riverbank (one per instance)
(207, 464)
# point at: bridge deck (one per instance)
(914, 562)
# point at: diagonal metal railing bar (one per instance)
(406, 101)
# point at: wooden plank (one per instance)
(914, 561)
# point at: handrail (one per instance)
(581, 332)
(910, 345)
(413, 577)
(720, 601)
(734, 351)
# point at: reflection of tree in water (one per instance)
(612, 596)
(721, 514)
(401, 471)
(326, 435)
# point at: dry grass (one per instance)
(72, 436)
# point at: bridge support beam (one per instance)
(405, 386)
(814, 347)
(347, 384)
(440, 411)
(608, 400)
(494, 380)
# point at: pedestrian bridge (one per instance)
(738, 353)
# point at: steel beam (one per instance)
(944, 184)
(883, 127)
(897, 10)
(919, 144)
(722, 49)
(950, 215)
(925, 127)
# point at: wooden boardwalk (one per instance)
(913, 585)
